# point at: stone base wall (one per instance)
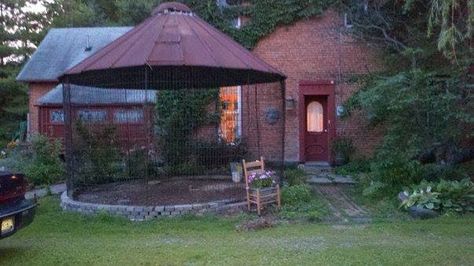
(143, 213)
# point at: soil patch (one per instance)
(164, 192)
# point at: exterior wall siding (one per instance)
(318, 49)
(35, 92)
(309, 50)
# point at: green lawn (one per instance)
(70, 239)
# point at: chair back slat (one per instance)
(249, 168)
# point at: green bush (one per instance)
(457, 196)
(342, 149)
(96, 154)
(389, 175)
(45, 166)
(434, 172)
(295, 176)
(215, 154)
(354, 167)
(313, 211)
(295, 195)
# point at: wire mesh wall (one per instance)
(160, 138)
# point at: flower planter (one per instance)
(265, 195)
(264, 191)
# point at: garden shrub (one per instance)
(295, 195)
(313, 211)
(135, 163)
(342, 149)
(178, 114)
(216, 154)
(295, 176)
(354, 167)
(45, 166)
(434, 172)
(445, 196)
(97, 157)
(389, 175)
(185, 168)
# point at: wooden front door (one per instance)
(316, 136)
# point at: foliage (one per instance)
(313, 211)
(354, 167)
(178, 114)
(265, 15)
(455, 21)
(262, 180)
(13, 104)
(343, 147)
(96, 151)
(422, 98)
(45, 166)
(444, 196)
(20, 31)
(295, 176)
(296, 195)
(135, 163)
(420, 110)
(425, 117)
(216, 154)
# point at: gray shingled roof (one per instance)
(90, 95)
(62, 49)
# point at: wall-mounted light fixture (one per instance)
(290, 103)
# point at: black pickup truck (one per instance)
(16, 212)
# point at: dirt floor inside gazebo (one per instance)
(172, 191)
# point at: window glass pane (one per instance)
(92, 115)
(314, 116)
(57, 116)
(128, 116)
(230, 125)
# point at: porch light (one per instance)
(290, 103)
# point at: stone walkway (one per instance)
(334, 189)
(41, 192)
(343, 208)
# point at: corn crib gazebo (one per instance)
(212, 102)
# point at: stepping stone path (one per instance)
(41, 192)
(334, 190)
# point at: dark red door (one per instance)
(316, 144)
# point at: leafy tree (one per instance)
(20, 31)
(423, 96)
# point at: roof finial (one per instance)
(171, 7)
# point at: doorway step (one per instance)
(323, 173)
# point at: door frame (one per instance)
(317, 88)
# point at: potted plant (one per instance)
(342, 149)
(264, 182)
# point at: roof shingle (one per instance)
(63, 48)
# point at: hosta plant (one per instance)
(457, 196)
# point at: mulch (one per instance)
(163, 192)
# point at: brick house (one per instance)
(315, 55)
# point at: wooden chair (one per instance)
(258, 196)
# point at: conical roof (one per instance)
(172, 48)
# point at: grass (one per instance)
(70, 239)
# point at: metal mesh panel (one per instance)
(157, 140)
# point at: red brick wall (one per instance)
(317, 49)
(36, 91)
(262, 136)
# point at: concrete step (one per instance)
(330, 179)
(317, 164)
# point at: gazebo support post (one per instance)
(68, 137)
(283, 134)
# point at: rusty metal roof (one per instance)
(175, 48)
